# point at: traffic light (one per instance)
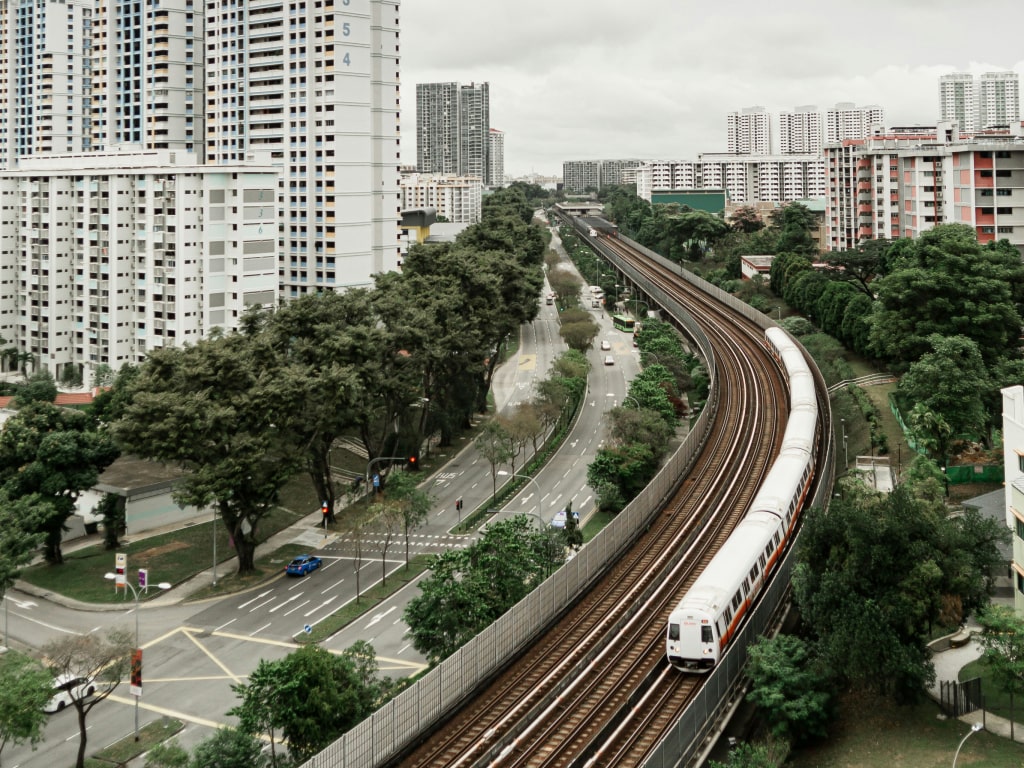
(458, 504)
(412, 465)
(325, 509)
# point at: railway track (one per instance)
(596, 689)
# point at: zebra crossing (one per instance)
(419, 543)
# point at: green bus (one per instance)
(624, 323)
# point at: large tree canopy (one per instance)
(944, 282)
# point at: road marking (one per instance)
(257, 607)
(167, 712)
(293, 610)
(257, 631)
(260, 596)
(322, 605)
(282, 605)
(214, 659)
(224, 625)
(377, 617)
(335, 584)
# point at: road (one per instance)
(194, 653)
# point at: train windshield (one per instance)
(705, 635)
(673, 631)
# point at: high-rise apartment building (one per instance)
(993, 100)
(578, 176)
(316, 88)
(308, 93)
(453, 129)
(749, 131)
(496, 157)
(998, 99)
(746, 179)
(459, 199)
(800, 131)
(957, 101)
(892, 186)
(848, 121)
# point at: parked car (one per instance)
(558, 521)
(68, 689)
(606, 345)
(302, 565)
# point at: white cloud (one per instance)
(579, 79)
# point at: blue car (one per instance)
(302, 565)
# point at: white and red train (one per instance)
(704, 622)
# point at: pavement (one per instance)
(948, 664)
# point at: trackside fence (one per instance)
(398, 724)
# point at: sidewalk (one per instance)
(948, 664)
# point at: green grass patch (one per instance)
(173, 557)
(368, 600)
(872, 731)
(997, 701)
(595, 523)
(127, 748)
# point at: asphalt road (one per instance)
(194, 653)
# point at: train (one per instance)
(706, 619)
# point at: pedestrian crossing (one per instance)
(418, 543)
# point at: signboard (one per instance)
(135, 685)
(120, 568)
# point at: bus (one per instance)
(623, 323)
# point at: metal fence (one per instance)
(957, 699)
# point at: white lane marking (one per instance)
(293, 610)
(377, 617)
(322, 605)
(260, 596)
(257, 607)
(282, 605)
(253, 633)
(218, 629)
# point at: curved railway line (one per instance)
(595, 689)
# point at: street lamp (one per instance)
(846, 453)
(503, 473)
(974, 729)
(138, 650)
(630, 397)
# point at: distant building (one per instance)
(582, 175)
(749, 131)
(957, 100)
(848, 121)
(992, 100)
(801, 131)
(457, 199)
(746, 178)
(453, 131)
(496, 158)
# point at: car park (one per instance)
(68, 689)
(302, 565)
(609, 360)
(606, 345)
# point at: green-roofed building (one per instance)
(710, 200)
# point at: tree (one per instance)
(566, 286)
(493, 443)
(229, 748)
(25, 687)
(571, 533)
(876, 574)
(52, 454)
(951, 383)
(105, 660)
(311, 696)
(469, 589)
(944, 282)
(1003, 640)
(767, 754)
(746, 219)
(216, 410)
(40, 388)
(792, 690)
(412, 504)
(632, 425)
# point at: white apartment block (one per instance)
(998, 99)
(317, 88)
(457, 198)
(1013, 466)
(848, 121)
(749, 131)
(900, 186)
(104, 257)
(957, 101)
(747, 180)
(453, 129)
(580, 175)
(801, 131)
(496, 158)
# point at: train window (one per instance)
(753, 573)
(777, 538)
(736, 600)
(705, 635)
(728, 615)
(746, 586)
(673, 631)
(762, 560)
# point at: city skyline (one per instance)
(557, 71)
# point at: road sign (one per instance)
(120, 566)
(307, 629)
(376, 480)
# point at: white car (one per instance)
(68, 689)
(558, 521)
(606, 345)
(609, 360)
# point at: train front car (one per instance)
(692, 644)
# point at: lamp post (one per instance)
(138, 651)
(974, 729)
(630, 397)
(215, 546)
(846, 453)
(503, 473)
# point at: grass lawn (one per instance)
(127, 748)
(997, 701)
(872, 732)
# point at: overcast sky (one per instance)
(654, 79)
